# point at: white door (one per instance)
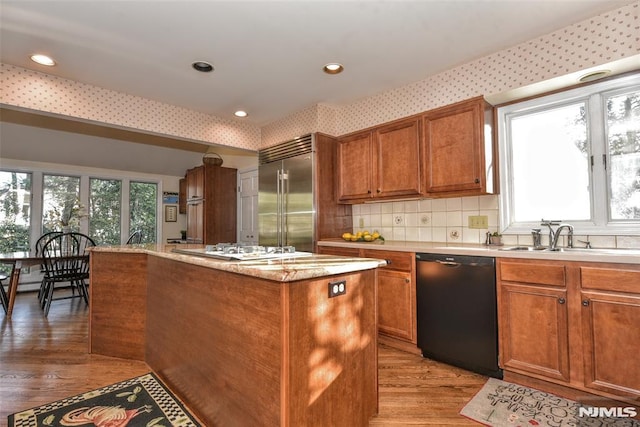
(248, 206)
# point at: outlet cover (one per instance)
(479, 221)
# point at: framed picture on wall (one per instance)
(170, 213)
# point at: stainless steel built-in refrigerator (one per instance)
(286, 206)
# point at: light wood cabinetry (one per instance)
(458, 149)
(533, 319)
(396, 294)
(396, 290)
(380, 163)
(610, 305)
(572, 324)
(211, 204)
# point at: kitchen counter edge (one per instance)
(280, 270)
(632, 257)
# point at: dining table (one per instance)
(18, 261)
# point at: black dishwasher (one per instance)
(457, 311)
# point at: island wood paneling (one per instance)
(118, 292)
(248, 351)
(215, 338)
(332, 351)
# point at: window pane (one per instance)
(623, 137)
(61, 207)
(104, 211)
(143, 207)
(15, 213)
(550, 165)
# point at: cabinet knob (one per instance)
(407, 280)
(585, 303)
(378, 191)
(388, 261)
(477, 181)
(561, 300)
(368, 191)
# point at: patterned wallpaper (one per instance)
(37, 91)
(604, 38)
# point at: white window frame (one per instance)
(593, 95)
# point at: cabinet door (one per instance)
(611, 337)
(195, 183)
(395, 302)
(195, 222)
(397, 159)
(354, 167)
(533, 330)
(182, 196)
(454, 148)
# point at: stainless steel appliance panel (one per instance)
(268, 204)
(298, 209)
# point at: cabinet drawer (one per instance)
(537, 273)
(400, 261)
(340, 251)
(623, 279)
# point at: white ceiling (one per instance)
(268, 55)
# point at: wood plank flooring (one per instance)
(45, 359)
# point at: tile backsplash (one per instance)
(447, 220)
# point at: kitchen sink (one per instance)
(524, 248)
(593, 251)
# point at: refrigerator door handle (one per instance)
(279, 207)
(285, 208)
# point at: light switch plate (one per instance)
(478, 221)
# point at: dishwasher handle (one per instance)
(449, 263)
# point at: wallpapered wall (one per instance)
(604, 38)
(601, 39)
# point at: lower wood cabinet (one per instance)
(571, 323)
(610, 308)
(396, 290)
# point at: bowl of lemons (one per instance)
(363, 236)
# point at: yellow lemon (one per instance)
(365, 232)
(354, 238)
(346, 236)
(375, 234)
(368, 237)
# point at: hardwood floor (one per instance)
(45, 359)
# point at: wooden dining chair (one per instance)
(135, 238)
(42, 240)
(4, 299)
(66, 260)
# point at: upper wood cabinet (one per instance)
(380, 163)
(211, 204)
(458, 150)
(182, 196)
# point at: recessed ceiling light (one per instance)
(333, 68)
(594, 76)
(202, 66)
(43, 60)
(241, 113)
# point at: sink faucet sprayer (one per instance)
(554, 236)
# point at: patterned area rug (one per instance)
(143, 401)
(500, 403)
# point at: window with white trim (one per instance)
(573, 156)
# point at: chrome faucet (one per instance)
(554, 235)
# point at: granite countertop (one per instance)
(628, 256)
(281, 270)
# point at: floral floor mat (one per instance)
(500, 403)
(142, 401)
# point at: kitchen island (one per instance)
(244, 343)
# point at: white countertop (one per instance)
(627, 256)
